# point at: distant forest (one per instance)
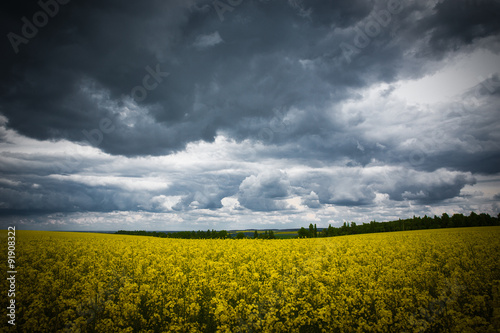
(209, 234)
(415, 223)
(179, 234)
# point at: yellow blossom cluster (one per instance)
(415, 281)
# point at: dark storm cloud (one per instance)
(83, 66)
(466, 138)
(34, 196)
(74, 72)
(455, 23)
(286, 82)
(429, 188)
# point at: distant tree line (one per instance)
(209, 234)
(265, 235)
(415, 223)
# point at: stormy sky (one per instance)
(232, 114)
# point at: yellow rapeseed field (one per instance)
(444, 280)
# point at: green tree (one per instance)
(303, 233)
(458, 220)
(353, 227)
(331, 231)
(344, 229)
(473, 220)
(445, 220)
(240, 235)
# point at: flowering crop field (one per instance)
(415, 281)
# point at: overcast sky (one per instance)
(230, 114)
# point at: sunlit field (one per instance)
(443, 280)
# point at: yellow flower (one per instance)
(402, 281)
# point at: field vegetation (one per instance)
(444, 280)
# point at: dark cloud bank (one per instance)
(284, 84)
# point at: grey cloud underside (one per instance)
(49, 196)
(262, 192)
(271, 73)
(22, 193)
(48, 90)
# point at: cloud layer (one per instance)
(247, 113)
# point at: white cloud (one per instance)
(269, 126)
(454, 77)
(206, 41)
(140, 183)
